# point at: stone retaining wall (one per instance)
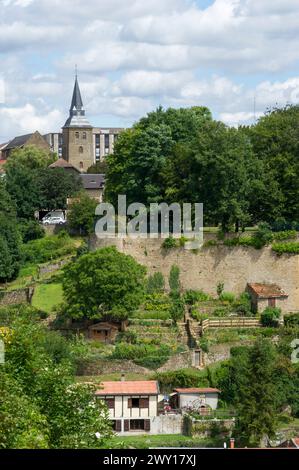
(15, 297)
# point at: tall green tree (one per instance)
(275, 140)
(81, 216)
(10, 239)
(257, 395)
(103, 283)
(22, 178)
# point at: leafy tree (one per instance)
(22, 178)
(102, 283)
(21, 423)
(98, 168)
(34, 186)
(6, 271)
(82, 214)
(256, 395)
(10, 240)
(275, 140)
(55, 186)
(41, 405)
(139, 165)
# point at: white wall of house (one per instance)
(202, 399)
(121, 409)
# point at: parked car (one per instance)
(54, 221)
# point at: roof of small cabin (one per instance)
(93, 181)
(62, 163)
(197, 390)
(103, 326)
(129, 387)
(266, 291)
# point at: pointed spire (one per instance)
(77, 102)
(77, 113)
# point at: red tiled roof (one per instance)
(62, 163)
(197, 390)
(127, 387)
(266, 291)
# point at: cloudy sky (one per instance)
(136, 54)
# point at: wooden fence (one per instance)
(230, 323)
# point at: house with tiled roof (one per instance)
(132, 404)
(266, 295)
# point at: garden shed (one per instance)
(266, 295)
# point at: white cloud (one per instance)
(135, 55)
(26, 119)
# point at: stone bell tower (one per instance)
(77, 134)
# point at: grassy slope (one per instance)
(47, 296)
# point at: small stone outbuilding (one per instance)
(106, 332)
(266, 295)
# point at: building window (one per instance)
(107, 141)
(84, 135)
(272, 302)
(77, 135)
(115, 137)
(81, 165)
(137, 425)
(80, 149)
(110, 402)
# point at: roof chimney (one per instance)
(122, 379)
(232, 443)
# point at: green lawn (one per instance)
(47, 296)
(166, 440)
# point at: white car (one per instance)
(54, 221)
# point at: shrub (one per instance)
(286, 247)
(242, 306)
(264, 235)
(127, 337)
(285, 235)
(181, 378)
(292, 320)
(47, 248)
(227, 297)
(152, 362)
(31, 230)
(198, 315)
(169, 243)
(204, 344)
(231, 241)
(193, 296)
(177, 309)
(174, 278)
(270, 316)
(220, 287)
(221, 311)
(155, 283)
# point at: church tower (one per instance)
(77, 134)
